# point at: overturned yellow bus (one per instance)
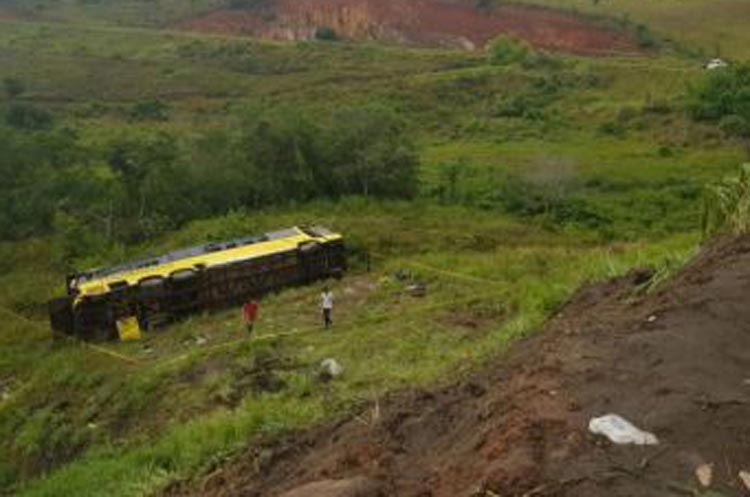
(122, 301)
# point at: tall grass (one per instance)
(726, 207)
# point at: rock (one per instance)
(416, 290)
(201, 341)
(704, 473)
(330, 368)
(352, 487)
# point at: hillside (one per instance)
(712, 28)
(502, 177)
(673, 362)
(424, 22)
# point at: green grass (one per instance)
(713, 27)
(490, 280)
(616, 123)
(606, 139)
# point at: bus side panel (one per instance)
(94, 319)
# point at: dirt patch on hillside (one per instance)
(7, 16)
(676, 363)
(420, 22)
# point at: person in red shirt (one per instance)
(250, 314)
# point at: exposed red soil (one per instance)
(7, 16)
(421, 22)
(676, 363)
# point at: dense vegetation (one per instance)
(501, 179)
(143, 183)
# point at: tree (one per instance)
(724, 98)
(375, 155)
(281, 155)
(137, 161)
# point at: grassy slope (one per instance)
(489, 280)
(186, 405)
(718, 27)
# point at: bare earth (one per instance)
(420, 22)
(676, 363)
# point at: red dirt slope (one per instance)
(676, 363)
(422, 22)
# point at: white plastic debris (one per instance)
(331, 367)
(704, 473)
(717, 63)
(620, 431)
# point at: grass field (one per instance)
(715, 28)
(534, 179)
(201, 389)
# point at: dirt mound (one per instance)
(676, 363)
(421, 22)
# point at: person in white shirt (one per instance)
(326, 305)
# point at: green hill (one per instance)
(711, 28)
(502, 180)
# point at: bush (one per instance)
(13, 87)
(28, 117)
(645, 38)
(726, 206)
(735, 125)
(524, 106)
(506, 50)
(612, 128)
(724, 92)
(325, 34)
(150, 110)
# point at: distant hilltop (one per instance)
(438, 23)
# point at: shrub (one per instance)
(724, 92)
(325, 34)
(726, 206)
(27, 116)
(735, 125)
(150, 110)
(13, 87)
(612, 128)
(506, 50)
(645, 38)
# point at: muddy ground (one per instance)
(675, 362)
(421, 22)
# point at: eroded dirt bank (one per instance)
(420, 22)
(676, 363)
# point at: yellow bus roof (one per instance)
(281, 241)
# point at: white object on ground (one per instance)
(745, 477)
(716, 64)
(705, 473)
(332, 367)
(620, 431)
